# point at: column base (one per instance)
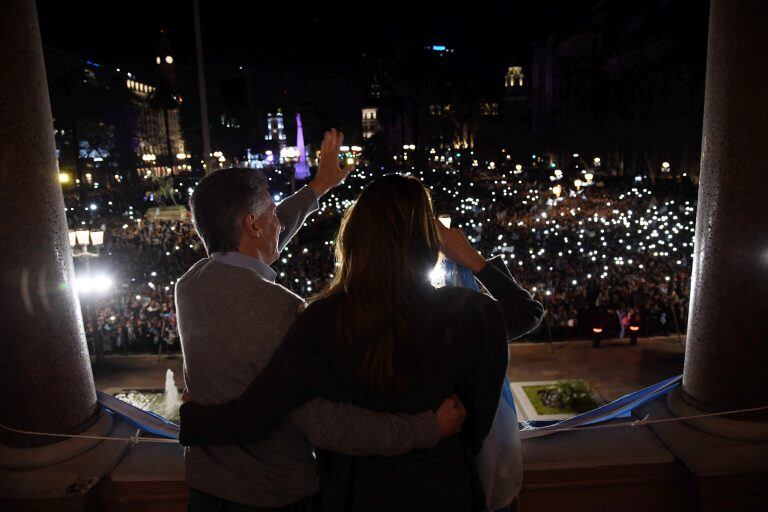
(51, 454)
(721, 426)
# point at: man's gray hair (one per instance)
(221, 200)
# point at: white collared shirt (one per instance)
(238, 259)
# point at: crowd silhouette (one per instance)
(611, 252)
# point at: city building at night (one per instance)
(370, 121)
(623, 82)
(276, 130)
(108, 121)
(547, 212)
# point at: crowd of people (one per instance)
(145, 258)
(612, 252)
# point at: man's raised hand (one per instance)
(329, 172)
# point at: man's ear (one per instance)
(251, 226)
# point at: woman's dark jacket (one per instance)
(459, 346)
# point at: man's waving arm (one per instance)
(294, 210)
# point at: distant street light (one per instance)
(597, 334)
(64, 177)
(82, 237)
(91, 285)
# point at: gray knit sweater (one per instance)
(231, 319)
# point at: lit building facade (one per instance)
(514, 77)
(370, 122)
(276, 129)
(151, 137)
(109, 124)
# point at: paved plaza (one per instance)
(614, 370)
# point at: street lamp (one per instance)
(90, 285)
(82, 237)
(597, 334)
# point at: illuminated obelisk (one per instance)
(302, 169)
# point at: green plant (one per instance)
(568, 394)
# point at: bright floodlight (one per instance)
(90, 285)
(64, 177)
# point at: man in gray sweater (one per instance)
(231, 318)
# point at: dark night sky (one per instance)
(127, 30)
(295, 52)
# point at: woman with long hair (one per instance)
(381, 336)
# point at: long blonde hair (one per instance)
(385, 248)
